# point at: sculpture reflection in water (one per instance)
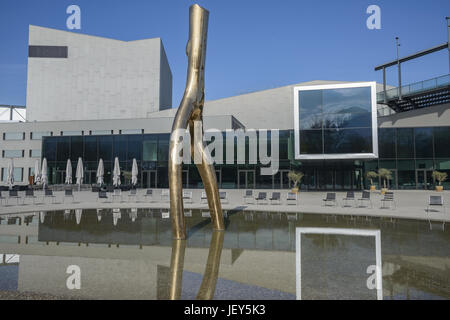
(208, 285)
(190, 115)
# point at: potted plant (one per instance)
(371, 175)
(439, 177)
(386, 175)
(296, 177)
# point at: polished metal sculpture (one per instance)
(210, 276)
(190, 113)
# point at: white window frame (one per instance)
(373, 155)
(338, 231)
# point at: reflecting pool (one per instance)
(130, 254)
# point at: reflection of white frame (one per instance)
(372, 155)
(338, 231)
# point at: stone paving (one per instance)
(409, 203)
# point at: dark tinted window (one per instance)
(386, 143)
(405, 143)
(48, 51)
(311, 141)
(347, 141)
(424, 142)
(442, 142)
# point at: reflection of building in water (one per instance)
(140, 266)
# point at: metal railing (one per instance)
(415, 88)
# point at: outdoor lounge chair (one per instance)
(117, 194)
(2, 198)
(436, 201)
(365, 197)
(29, 194)
(149, 194)
(132, 194)
(49, 194)
(349, 197)
(68, 193)
(13, 194)
(204, 197)
(276, 196)
(187, 196)
(165, 195)
(102, 195)
(223, 197)
(388, 198)
(248, 197)
(330, 198)
(262, 196)
(291, 198)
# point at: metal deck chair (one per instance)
(365, 197)
(331, 197)
(49, 194)
(436, 201)
(223, 197)
(132, 194)
(117, 194)
(149, 194)
(204, 197)
(262, 196)
(388, 198)
(102, 195)
(29, 194)
(276, 196)
(165, 195)
(2, 198)
(292, 198)
(68, 193)
(187, 196)
(349, 197)
(14, 194)
(248, 197)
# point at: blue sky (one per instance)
(252, 45)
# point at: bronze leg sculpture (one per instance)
(190, 112)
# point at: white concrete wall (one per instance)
(101, 78)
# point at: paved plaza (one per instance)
(410, 204)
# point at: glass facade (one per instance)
(411, 153)
(335, 121)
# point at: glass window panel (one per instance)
(386, 142)
(35, 153)
(63, 148)
(442, 142)
(311, 142)
(13, 136)
(72, 133)
(18, 174)
(405, 143)
(100, 132)
(310, 101)
(134, 147)
(49, 149)
(131, 131)
(163, 147)
(310, 121)
(120, 148)
(424, 142)
(347, 120)
(150, 149)
(105, 146)
(39, 135)
(13, 153)
(90, 149)
(76, 148)
(348, 141)
(347, 100)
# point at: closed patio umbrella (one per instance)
(42, 216)
(116, 173)
(69, 172)
(78, 213)
(80, 173)
(100, 172)
(134, 173)
(37, 173)
(99, 215)
(44, 178)
(116, 216)
(10, 177)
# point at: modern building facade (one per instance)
(335, 137)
